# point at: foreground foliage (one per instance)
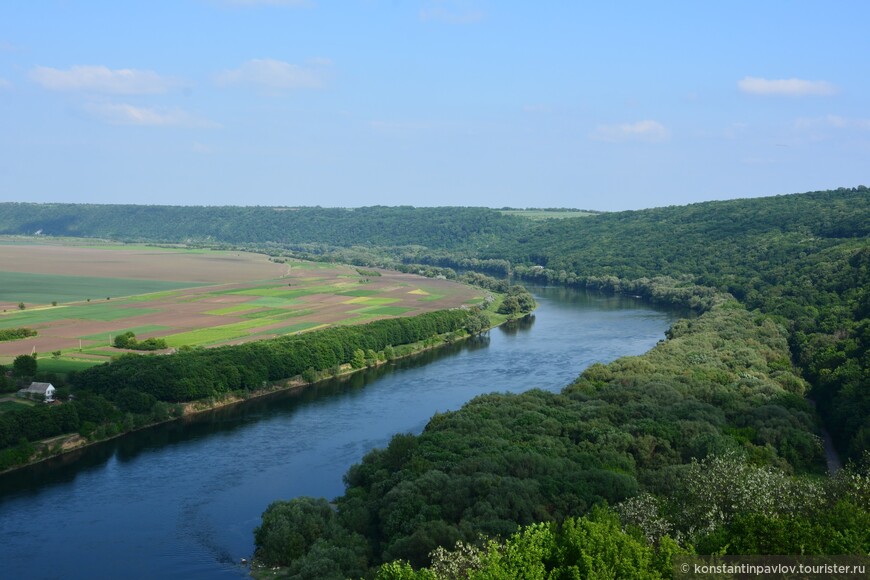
(594, 546)
(726, 505)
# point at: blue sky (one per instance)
(603, 106)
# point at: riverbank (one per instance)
(201, 486)
(57, 446)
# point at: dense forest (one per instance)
(446, 227)
(717, 416)
(803, 258)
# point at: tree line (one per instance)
(16, 333)
(135, 390)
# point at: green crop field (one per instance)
(103, 311)
(47, 288)
(268, 301)
(371, 301)
(105, 336)
(277, 313)
(214, 334)
(432, 298)
(287, 294)
(298, 327)
(237, 309)
(383, 310)
(359, 293)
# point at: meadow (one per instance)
(189, 298)
(546, 214)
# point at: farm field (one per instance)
(190, 298)
(542, 214)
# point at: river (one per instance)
(181, 500)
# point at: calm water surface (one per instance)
(182, 500)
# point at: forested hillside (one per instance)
(804, 258)
(441, 227)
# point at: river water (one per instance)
(181, 500)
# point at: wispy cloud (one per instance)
(834, 122)
(7, 46)
(4, 84)
(451, 12)
(126, 114)
(275, 75)
(785, 87)
(650, 131)
(101, 79)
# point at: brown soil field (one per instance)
(143, 264)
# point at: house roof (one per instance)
(40, 388)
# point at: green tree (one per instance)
(359, 359)
(298, 533)
(24, 365)
(477, 323)
(125, 340)
(510, 306)
(309, 375)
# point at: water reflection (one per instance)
(513, 327)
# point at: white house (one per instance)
(45, 390)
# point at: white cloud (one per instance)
(125, 114)
(101, 79)
(787, 87)
(647, 130)
(451, 12)
(274, 74)
(834, 122)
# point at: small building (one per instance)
(35, 390)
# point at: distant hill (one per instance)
(440, 227)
